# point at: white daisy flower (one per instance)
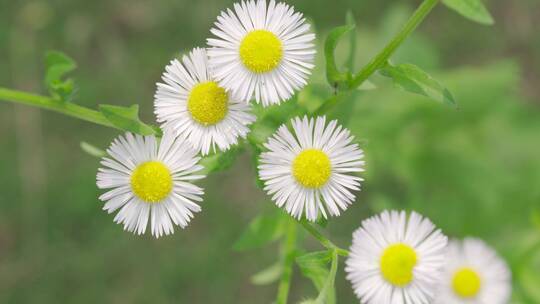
(474, 274)
(262, 51)
(311, 171)
(394, 259)
(148, 179)
(195, 106)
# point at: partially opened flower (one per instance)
(191, 103)
(311, 172)
(150, 180)
(262, 51)
(474, 274)
(396, 259)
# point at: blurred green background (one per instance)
(474, 171)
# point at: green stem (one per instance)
(322, 239)
(44, 102)
(325, 296)
(381, 58)
(289, 252)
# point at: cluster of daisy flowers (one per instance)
(399, 258)
(263, 52)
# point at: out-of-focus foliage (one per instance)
(57, 65)
(474, 170)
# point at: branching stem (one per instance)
(381, 58)
(48, 103)
(322, 239)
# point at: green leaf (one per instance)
(220, 161)
(334, 77)
(57, 65)
(126, 118)
(328, 292)
(411, 78)
(268, 275)
(263, 229)
(92, 150)
(314, 266)
(471, 9)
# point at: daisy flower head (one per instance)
(474, 274)
(147, 179)
(310, 170)
(262, 50)
(395, 258)
(191, 103)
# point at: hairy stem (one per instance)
(322, 239)
(289, 252)
(380, 60)
(48, 103)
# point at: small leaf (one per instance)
(92, 150)
(334, 77)
(471, 9)
(126, 118)
(57, 65)
(263, 229)
(314, 266)
(411, 78)
(328, 293)
(268, 275)
(219, 161)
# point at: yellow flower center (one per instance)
(312, 168)
(397, 264)
(466, 283)
(151, 181)
(261, 51)
(208, 103)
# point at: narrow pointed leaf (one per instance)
(268, 275)
(413, 79)
(92, 150)
(471, 9)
